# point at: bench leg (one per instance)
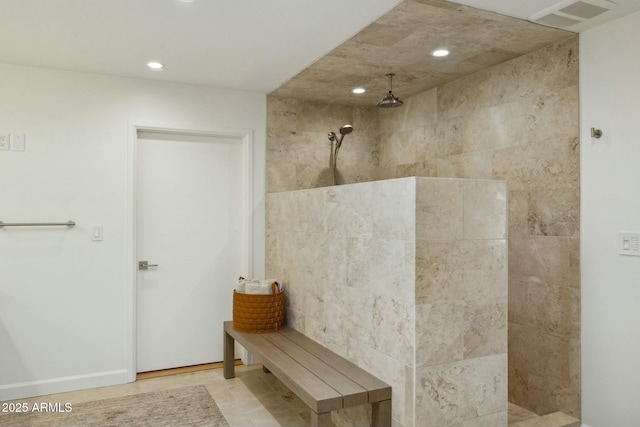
(321, 420)
(229, 368)
(381, 414)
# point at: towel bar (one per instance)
(35, 224)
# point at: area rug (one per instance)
(189, 406)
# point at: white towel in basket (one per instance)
(257, 287)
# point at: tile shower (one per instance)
(517, 122)
(407, 278)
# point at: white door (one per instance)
(189, 224)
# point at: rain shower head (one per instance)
(390, 101)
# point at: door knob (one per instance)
(144, 265)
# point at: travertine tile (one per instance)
(553, 309)
(540, 354)
(546, 164)
(485, 327)
(306, 212)
(485, 210)
(449, 136)
(540, 259)
(344, 247)
(554, 212)
(281, 177)
(393, 209)
(381, 35)
(445, 396)
(313, 298)
(440, 329)
(518, 383)
(421, 169)
(279, 146)
(492, 128)
(491, 420)
(409, 396)
(471, 165)
(518, 303)
(299, 152)
(400, 147)
(518, 213)
(480, 39)
(313, 176)
(322, 255)
(321, 117)
(439, 209)
(465, 96)
(516, 121)
(555, 115)
(313, 148)
(419, 111)
(542, 71)
(384, 267)
(517, 414)
(554, 419)
(574, 263)
(339, 314)
(394, 325)
(427, 147)
(460, 270)
(282, 113)
(546, 395)
(348, 210)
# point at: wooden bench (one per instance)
(323, 380)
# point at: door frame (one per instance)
(245, 137)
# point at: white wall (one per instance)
(63, 298)
(610, 182)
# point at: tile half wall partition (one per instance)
(407, 278)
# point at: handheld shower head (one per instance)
(346, 129)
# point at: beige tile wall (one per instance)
(298, 150)
(517, 122)
(407, 279)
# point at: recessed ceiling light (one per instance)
(440, 52)
(186, 1)
(359, 90)
(155, 66)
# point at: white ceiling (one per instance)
(525, 8)
(252, 45)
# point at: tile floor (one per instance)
(518, 414)
(251, 399)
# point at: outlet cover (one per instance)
(4, 141)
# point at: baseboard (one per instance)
(63, 384)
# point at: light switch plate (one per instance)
(96, 232)
(17, 142)
(629, 244)
(4, 141)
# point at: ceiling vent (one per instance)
(568, 13)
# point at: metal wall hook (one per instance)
(596, 133)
